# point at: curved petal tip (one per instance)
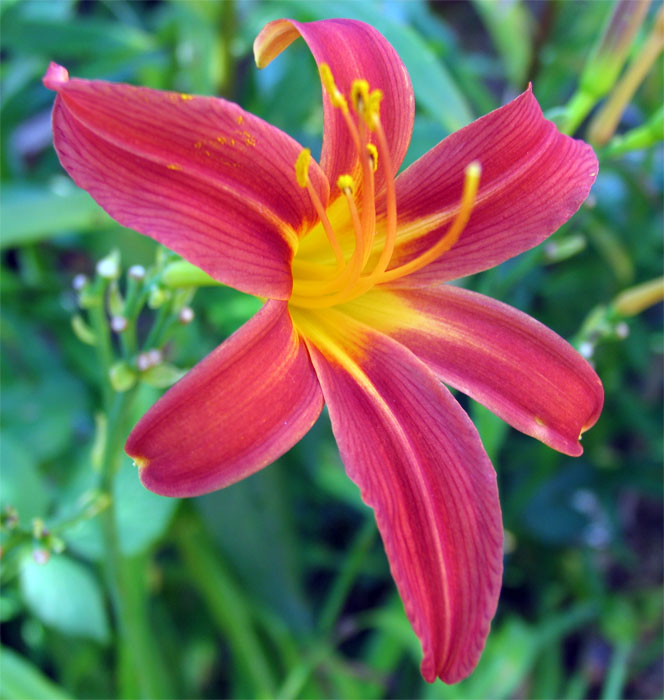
(55, 76)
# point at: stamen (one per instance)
(365, 103)
(336, 98)
(302, 176)
(391, 204)
(373, 156)
(302, 167)
(470, 186)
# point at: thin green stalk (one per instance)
(322, 647)
(346, 578)
(126, 595)
(157, 327)
(226, 603)
(99, 322)
(617, 675)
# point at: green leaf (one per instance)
(22, 486)
(22, 680)
(132, 501)
(32, 213)
(64, 594)
(510, 26)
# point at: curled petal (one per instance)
(198, 174)
(353, 50)
(533, 180)
(420, 465)
(235, 412)
(518, 368)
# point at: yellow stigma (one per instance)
(345, 183)
(302, 167)
(373, 156)
(336, 98)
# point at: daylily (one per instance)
(350, 259)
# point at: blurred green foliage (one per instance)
(278, 586)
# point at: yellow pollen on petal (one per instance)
(185, 98)
(302, 167)
(174, 166)
(336, 98)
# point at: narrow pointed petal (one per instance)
(517, 367)
(420, 465)
(236, 411)
(353, 50)
(533, 180)
(198, 174)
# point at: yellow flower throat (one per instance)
(319, 282)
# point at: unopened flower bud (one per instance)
(109, 267)
(186, 315)
(148, 359)
(635, 300)
(136, 272)
(82, 331)
(79, 282)
(41, 556)
(9, 517)
(119, 324)
(122, 377)
(38, 528)
(622, 330)
(157, 297)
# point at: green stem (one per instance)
(126, 592)
(227, 604)
(157, 327)
(346, 578)
(617, 675)
(97, 314)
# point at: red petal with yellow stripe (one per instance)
(518, 368)
(533, 180)
(420, 465)
(199, 174)
(235, 412)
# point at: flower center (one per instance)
(319, 285)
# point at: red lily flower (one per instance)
(351, 259)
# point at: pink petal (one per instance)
(420, 465)
(518, 368)
(235, 412)
(533, 180)
(353, 50)
(199, 174)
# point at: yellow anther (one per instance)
(336, 98)
(373, 110)
(365, 103)
(373, 156)
(359, 95)
(302, 167)
(345, 183)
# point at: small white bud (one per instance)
(586, 349)
(109, 267)
(186, 315)
(136, 272)
(119, 324)
(622, 330)
(148, 359)
(79, 282)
